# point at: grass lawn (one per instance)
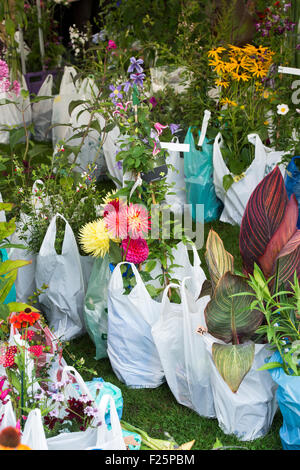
(155, 410)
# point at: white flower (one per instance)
(39, 396)
(90, 411)
(58, 397)
(84, 398)
(282, 109)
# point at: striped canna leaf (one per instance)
(218, 260)
(233, 362)
(289, 260)
(264, 213)
(282, 238)
(229, 317)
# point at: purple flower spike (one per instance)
(174, 128)
(135, 65)
(126, 86)
(138, 78)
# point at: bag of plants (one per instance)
(95, 305)
(63, 300)
(235, 190)
(248, 413)
(182, 351)
(130, 346)
(292, 181)
(42, 111)
(288, 397)
(198, 171)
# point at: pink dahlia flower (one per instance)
(137, 250)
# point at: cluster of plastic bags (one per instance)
(109, 435)
(149, 342)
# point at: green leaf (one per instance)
(11, 265)
(20, 306)
(271, 365)
(7, 228)
(15, 136)
(95, 125)
(6, 206)
(150, 265)
(153, 292)
(233, 362)
(14, 380)
(6, 283)
(218, 260)
(4, 312)
(227, 181)
(74, 105)
(36, 99)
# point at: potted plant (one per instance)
(269, 238)
(282, 329)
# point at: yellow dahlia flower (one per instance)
(94, 238)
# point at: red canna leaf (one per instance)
(281, 237)
(289, 260)
(262, 217)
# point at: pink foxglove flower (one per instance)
(156, 150)
(159, 128)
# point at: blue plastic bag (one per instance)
(12, 294)
(198, 172)
(292, 182)
(288, 397)
(105, 388)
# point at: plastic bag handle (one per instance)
(165, 295)
(84, 389)
(117, 276)
(176, 286)
(68, 75)
(51, 234)
(196, 254)
(257, 142)
(205, 122)
(114, 419)
(49, 78)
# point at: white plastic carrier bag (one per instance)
(130, 346)
(183, 352)
(175, 176)
(248, 413)
(42, 111)
(62, 302)
(97, 436)
(109, 437)
(34, 434)
(91, 152)
(236, 197)
(11, 114)
(185, 268)
(111, 146)
(7, 415)
(25, 282)
(68, 92)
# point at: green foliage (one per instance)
(282, 320)
(74, 195)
